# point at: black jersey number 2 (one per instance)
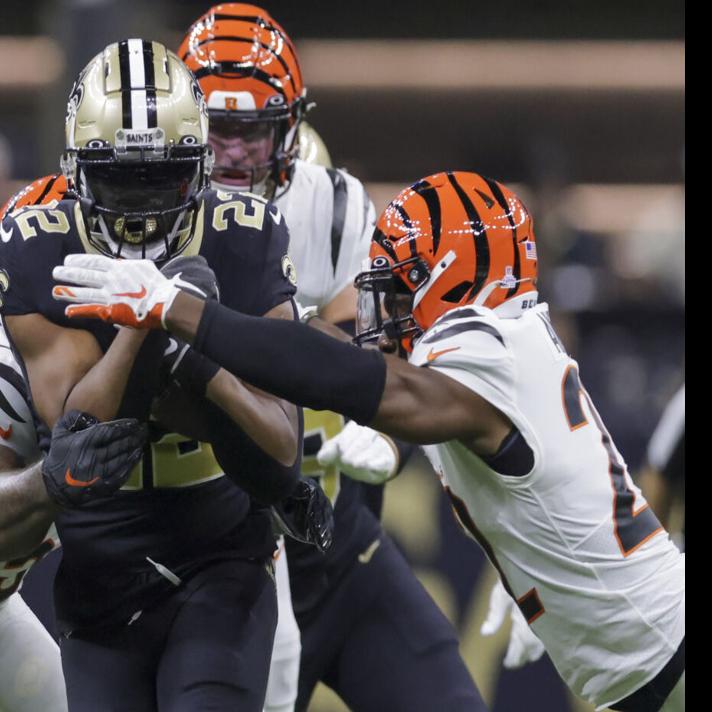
(631, 528)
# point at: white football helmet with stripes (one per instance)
(136, 149)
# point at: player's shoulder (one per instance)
(245, 240)
(325, 183)
(44, 207)
(42, 191)
(229, 212)
(33, 237)
(461, 335)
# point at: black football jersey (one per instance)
(314, 575)
(176, 509)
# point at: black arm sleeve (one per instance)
(294, 362)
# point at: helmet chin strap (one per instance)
(153, 252)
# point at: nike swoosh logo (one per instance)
(276, 219)
(5, 235)
(432, 355)
(367, 555)
(172, 346)
(132, 295)
(6, 433)
(77, 483)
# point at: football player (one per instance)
(30, 669)
(490, 391)
(284, 663)
(249, 71)
(180, 553)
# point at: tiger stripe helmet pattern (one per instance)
(451, 239)
(40, 192)
(248, 68)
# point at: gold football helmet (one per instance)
(136, 150)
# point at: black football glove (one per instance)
(89, 460)
(306, 515)
(195, 271)
(190, 369)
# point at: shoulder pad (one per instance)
(243, 210)
(459, 321)
(461, 336)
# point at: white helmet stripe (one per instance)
(137, 71)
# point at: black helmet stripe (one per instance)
(499, 197)
(380, 238)
(430, 195)
(482, 251)
(237, 68)
(46, 190)
(409, 226)
(258, 21)
(245, 40)
(124, 71)
(150, 84)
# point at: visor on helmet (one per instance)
(141, 198)
(154, 187)
(252, 147)
(384, 306)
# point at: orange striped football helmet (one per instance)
(40, 192)
(248, 70)
(451, 239)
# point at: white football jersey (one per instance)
(594, 573)
(331, 221)
(17, 432)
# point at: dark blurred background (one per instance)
(579, 106)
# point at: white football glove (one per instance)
(524, 647)
(361, 453)
(125, 292)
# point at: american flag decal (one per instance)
(530, 248)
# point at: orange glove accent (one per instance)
(120, 314)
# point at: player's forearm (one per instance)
(26, 512)
(285, 358)
(316, 371)
(102, 388)
(270, 423)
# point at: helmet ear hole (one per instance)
(457, 292)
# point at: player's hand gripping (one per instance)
(186, 366)
(306, 515)
(524, 647)
(127, 292)
(89, 460)
(361, 453)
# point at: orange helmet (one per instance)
(248, 70)
(450, 239)
(39, 192)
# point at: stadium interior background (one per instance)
(578, 105)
